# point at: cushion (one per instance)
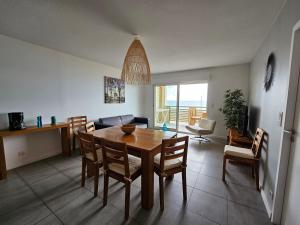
(140, 125)
(169, 164)
(239, 152)
(197, 129)
(77, 129)
(126, 119)
(134, 165)
(207, 124)
(112, 121)
(90, 155)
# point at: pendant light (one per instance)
(136, 69)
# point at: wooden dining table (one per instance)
(144, 143)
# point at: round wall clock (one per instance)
(269, 72)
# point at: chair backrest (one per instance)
(174, 148)
(89, 127)
(87, 145)
(207, 124)
(78, 123)
(258, 142)
(203, 115)
(115, 152)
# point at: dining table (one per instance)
(144, 143)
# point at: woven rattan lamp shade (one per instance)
(136, 69)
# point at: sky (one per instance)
(188, 92)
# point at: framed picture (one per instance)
(114, 90)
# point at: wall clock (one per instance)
(269, 72)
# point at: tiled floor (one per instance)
(49, 192)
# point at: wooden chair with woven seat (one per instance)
(77, 123)
(121, 166)
(90, 155)
(171, 160)
(89, 127)
(244, 155)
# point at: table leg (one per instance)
(147, 179)
(65, 141)
(3, 172)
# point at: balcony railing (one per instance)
(168, 114)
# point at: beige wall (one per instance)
(41, 81)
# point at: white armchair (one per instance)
(204, 127)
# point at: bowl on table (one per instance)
(128, 128)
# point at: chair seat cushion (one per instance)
(90, 155)
(198, 130)
(239, 152)
(169, 164)
(134, 165)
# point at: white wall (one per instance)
(41, 81)
(219, 80)
(266, 106)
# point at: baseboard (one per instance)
(265, 201)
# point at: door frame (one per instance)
(288, 124)
(177, 100)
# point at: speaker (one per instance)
(16, 121)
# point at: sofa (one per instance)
(141, 122)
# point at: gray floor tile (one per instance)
(189, 218)
(194, 165)
(211, 185)
(155, 216)
(50, 220)
(246, 196)
(14, 193)
(173, 193)
(208, 206)
(212, 170)
(62, 163)
(240, 178)
(31, 213)
(86, 209)
(191, 177)
(241, 215)
(58, 190)
(36, 171)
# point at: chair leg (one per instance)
(161, 193)
(127, 199)
(105, 191)
(74, 142)
(83, 172)
(253, 171)
(96, 179)
(184, 184)
(224, 168)
(257, 176)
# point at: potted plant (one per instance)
(234, 109)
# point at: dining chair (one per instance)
(91, 156)
(118, 164)
(244, 155)
(90, 126)
(77, 123)
(171, 160)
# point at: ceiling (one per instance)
(177, 34)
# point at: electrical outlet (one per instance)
(21, 154)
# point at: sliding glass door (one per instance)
(192, 104)
(179, 105)
(165, 106)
